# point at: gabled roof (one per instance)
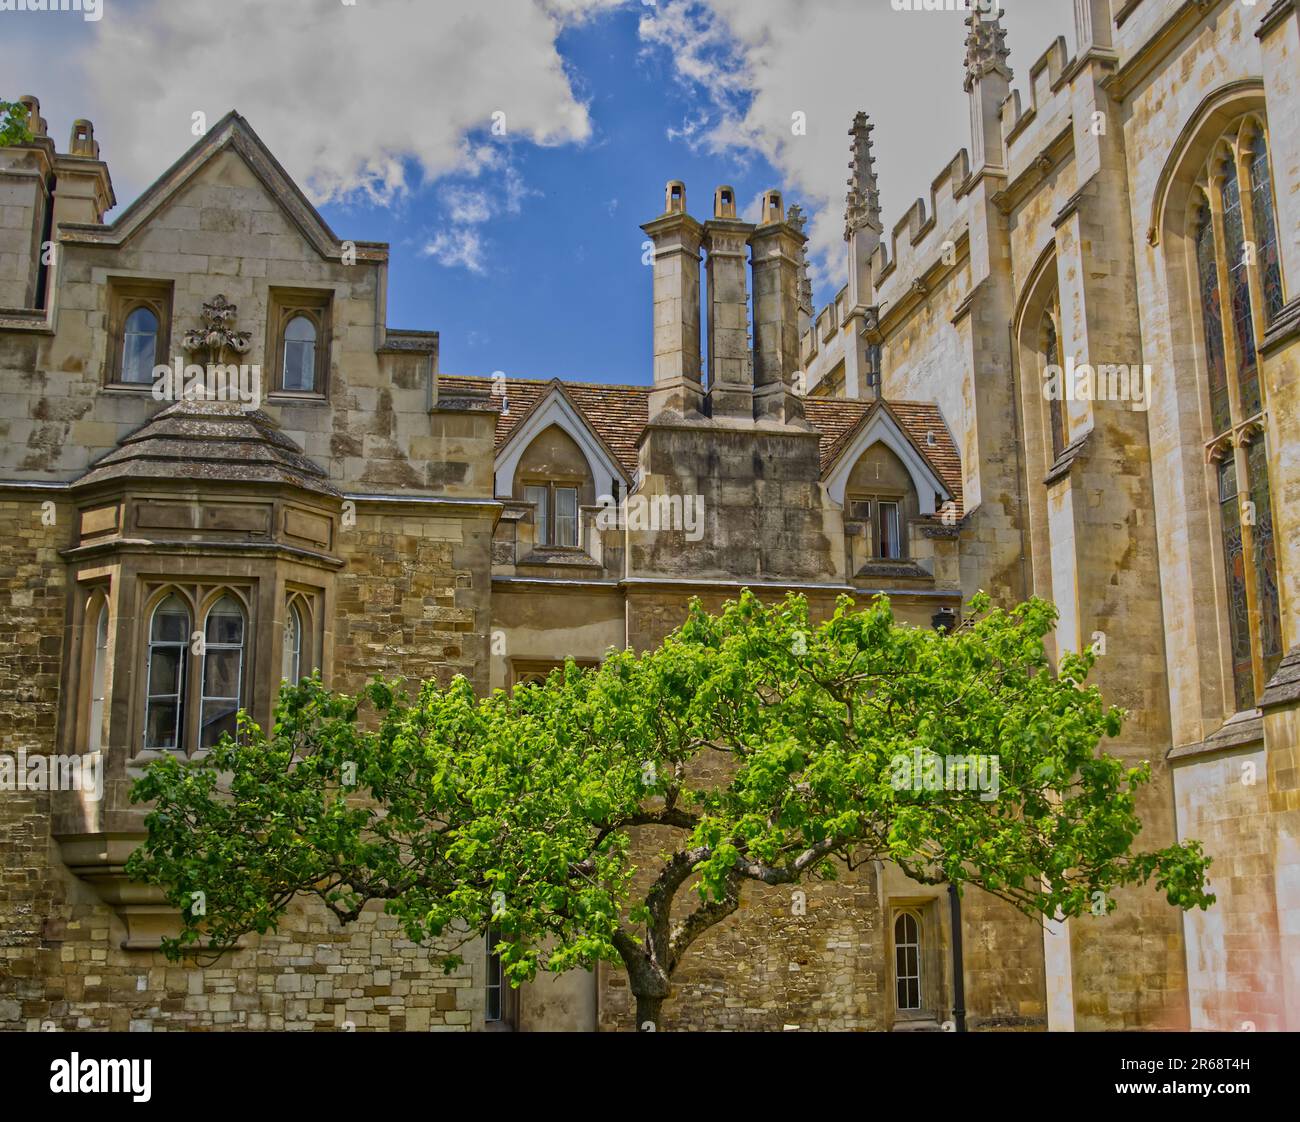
(618, 415)
(921, 422)
(236, 134)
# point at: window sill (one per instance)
(1284, 687)
(926, 1022)
(1065, 461)
(898, 568)
(1242, 730)
(558, 555)
(287, 397)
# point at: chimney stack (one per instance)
(85, 191)
(731, 377)
(677, 238)
(777, 255)
(26, 177)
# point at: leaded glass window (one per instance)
(1216, 364)
(1238, 275)
(1264, 557)
(1234, 566)
(1261, 189)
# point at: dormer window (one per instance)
(554, 477)
(882, 515)
(298, 340)
(555, 514)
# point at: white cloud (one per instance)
(460, 246)
(757, 62)
(355, 100)
(466, 207)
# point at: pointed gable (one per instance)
(232, 135)
(916, 433)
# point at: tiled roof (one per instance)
(618, 415)
(919, 419)
(834, 418)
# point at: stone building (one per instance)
(1070, 374)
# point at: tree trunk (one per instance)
(648, 1008)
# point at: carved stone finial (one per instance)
(862, 205)
(986, 46)
(217, 333)
(796, 217)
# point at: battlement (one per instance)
(1026, 131)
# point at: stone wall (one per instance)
(413, 600)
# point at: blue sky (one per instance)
(524, 250)
(563, 292)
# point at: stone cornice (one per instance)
(151, 547)
(1052, 154)
(413, 503)
(1274, 17)
(1157, 48)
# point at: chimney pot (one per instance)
(773, 208)
(35, 122)
(675, 197)
(83, 140)
(724, 202)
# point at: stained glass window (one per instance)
(1236, 252)
(1212, 319)
(1234, 567)
(1270, 268)
(1265, 551)
(1234, 237)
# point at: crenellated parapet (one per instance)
(1027, 131)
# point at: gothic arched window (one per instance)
(223, 670)
(139, 346)
(299, 364)
(1055, 393)
(291, 659)
(1239, 289)
(169, 632)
